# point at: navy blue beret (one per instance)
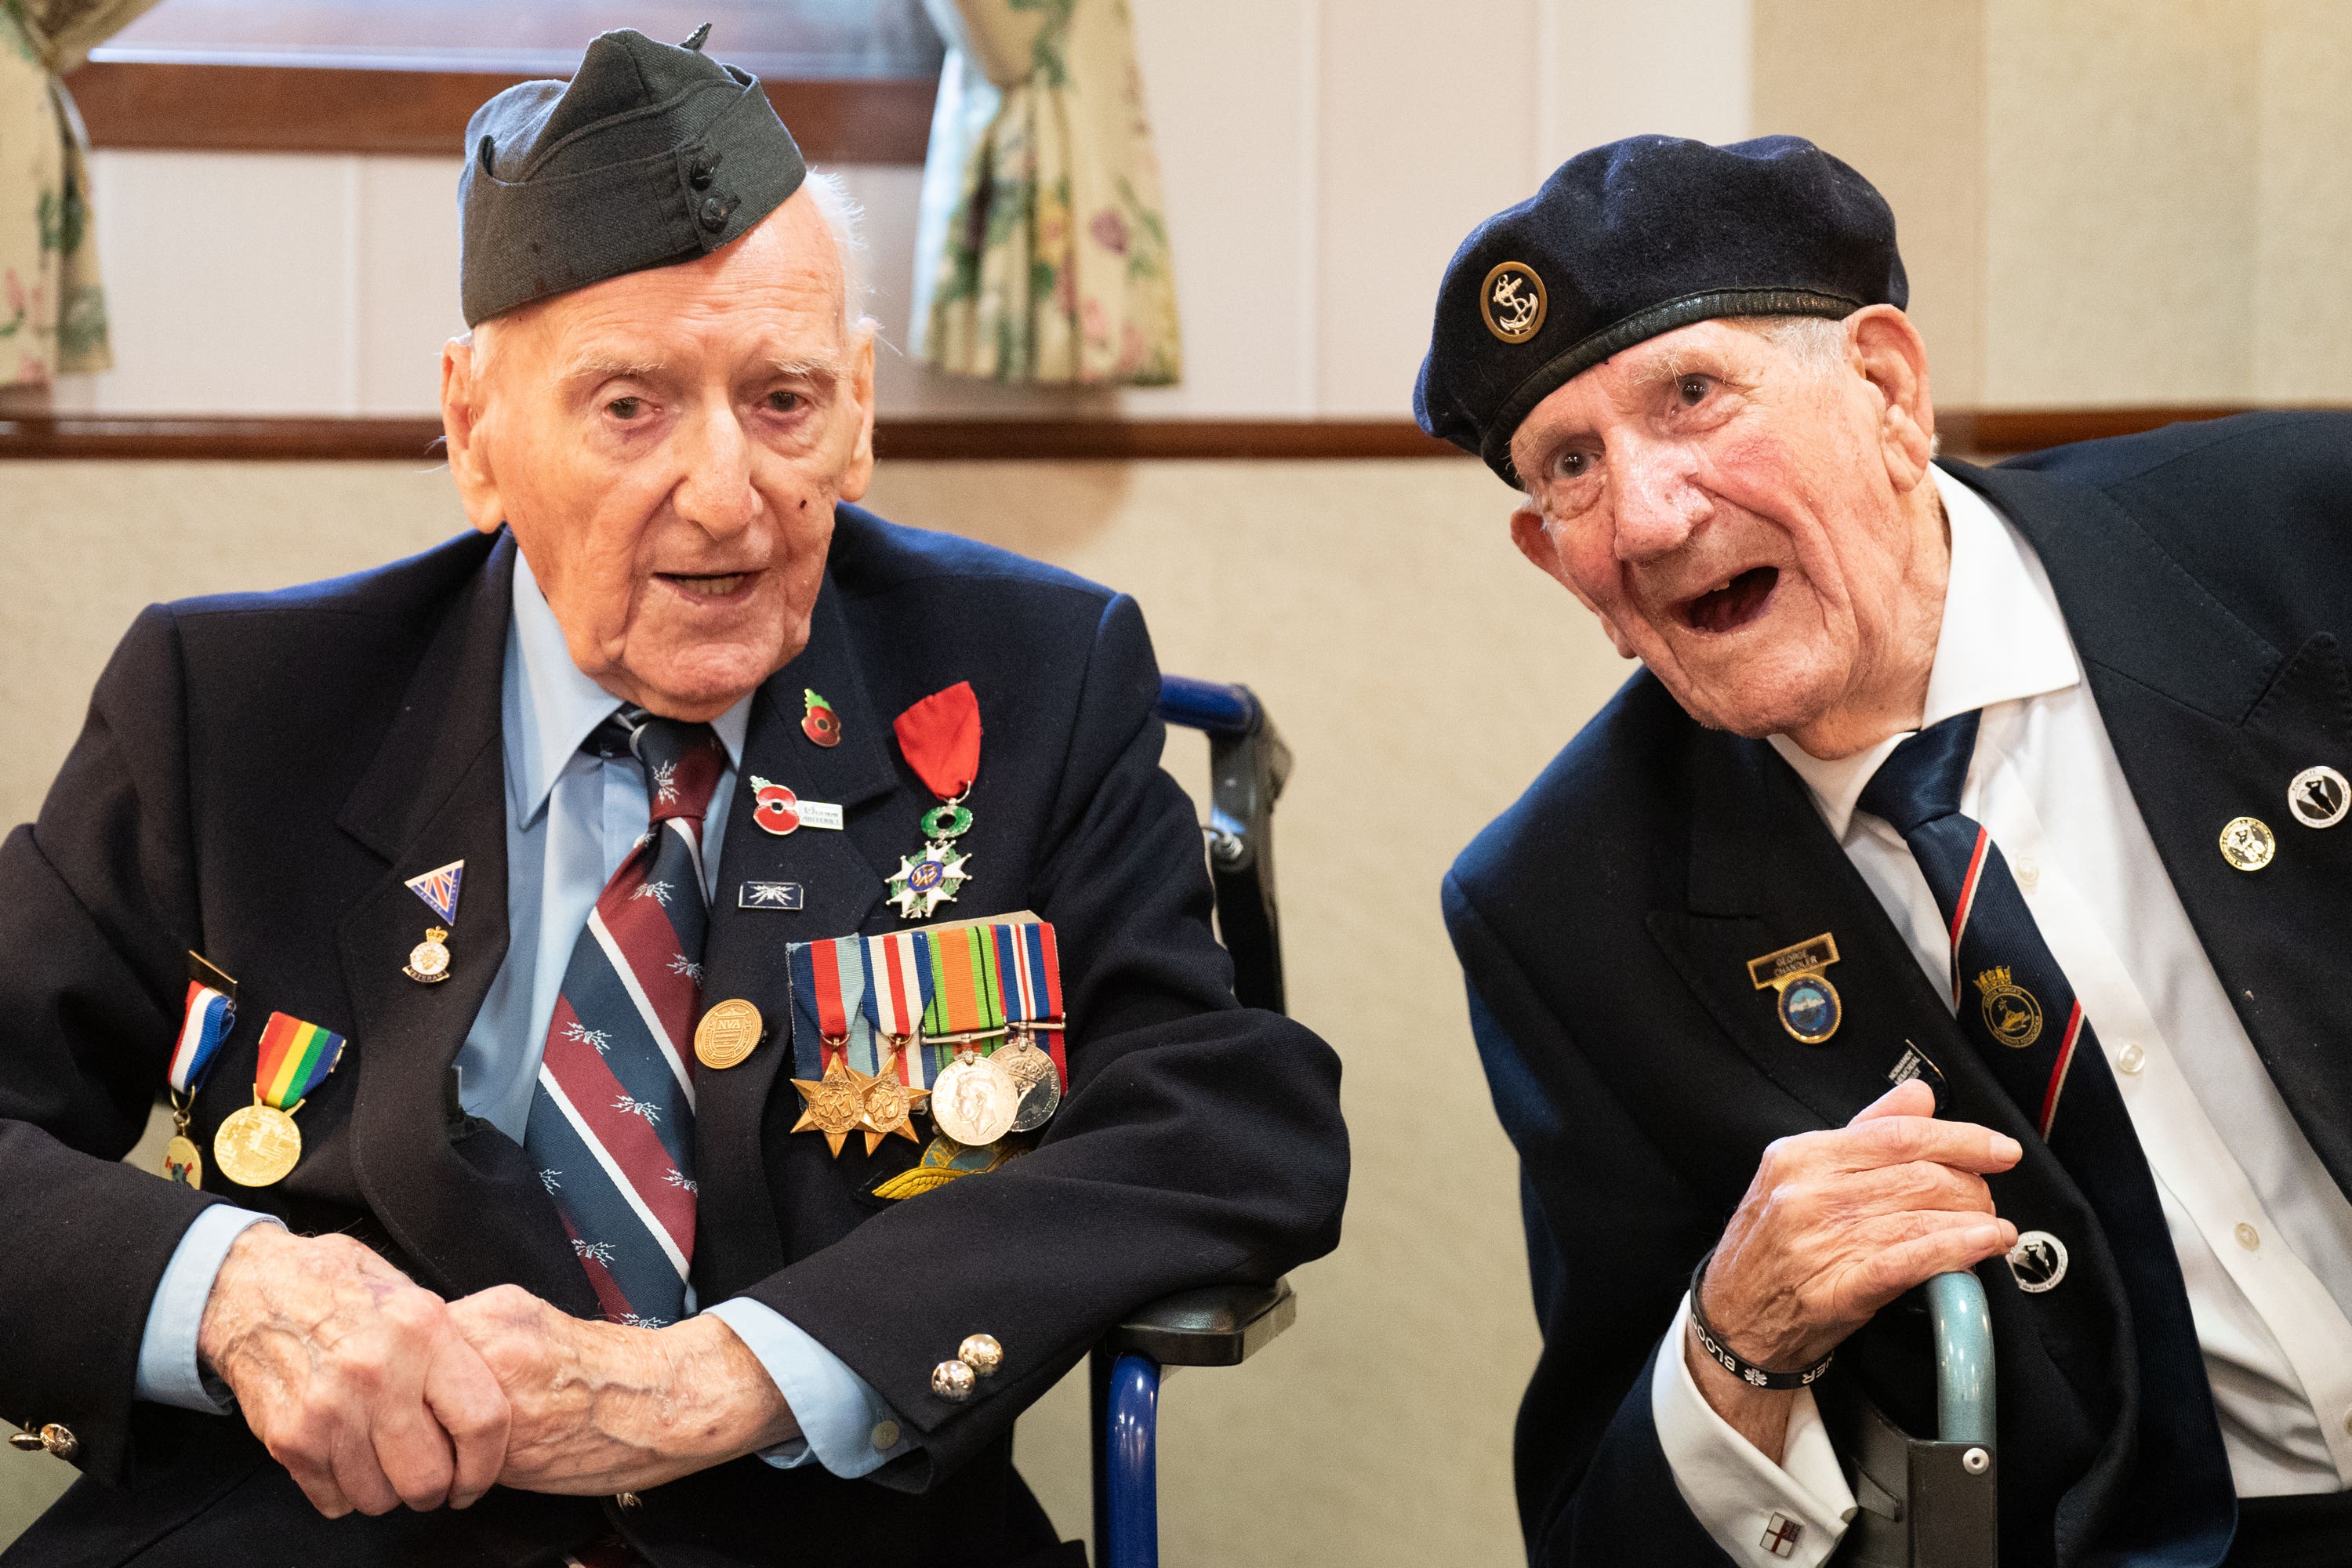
(1633, 239)
(652, 153)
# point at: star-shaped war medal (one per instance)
(888, 1105)
(834, 1104)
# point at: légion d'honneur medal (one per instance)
(428, 961)
(940, 738)
(1808, 1006)
(260, 1143)
(974, 1100)
(211, 1013)
(1029, 971)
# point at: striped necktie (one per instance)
(611, 1124)
(2021, 1015)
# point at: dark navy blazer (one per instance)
(1604, 923)
(258, 775)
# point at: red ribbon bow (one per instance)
(941, 739)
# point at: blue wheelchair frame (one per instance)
(1946, 1518)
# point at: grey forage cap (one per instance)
(652, 154)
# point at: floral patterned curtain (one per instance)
(1042, 255)
(52, 311)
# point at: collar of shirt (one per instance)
(554, 708)
(2002, 639)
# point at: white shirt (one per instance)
(2262, 1232)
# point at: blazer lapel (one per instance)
(1764, 875)
(436, 792)
(737, 1239)
(2211, 722)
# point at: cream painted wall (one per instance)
(1378, 1431)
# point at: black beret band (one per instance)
(653, 153)
(1617, 336)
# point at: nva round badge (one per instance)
(1809, 1008)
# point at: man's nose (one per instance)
(715, 493)
(1659, 501)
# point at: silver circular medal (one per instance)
(1041, 1085)
(974, 1101)
(2319, 796)
(2038, 1261)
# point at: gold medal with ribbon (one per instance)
(260, 1145)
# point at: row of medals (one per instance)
(975, 1101)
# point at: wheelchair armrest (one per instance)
(1223, 1325)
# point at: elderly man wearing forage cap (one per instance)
(543, 1216)
(1961, 884)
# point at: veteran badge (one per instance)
(1511, 301)
(944, 1160)
(2011, 1012)
(2319, 796)
(1807, 1003)
(428, 961)
(820, 723)
(2248, 842)
(2038, 1262)
(728, 1034)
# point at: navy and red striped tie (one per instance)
(612, 1125)
(2018, 1010)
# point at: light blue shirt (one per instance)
(572, 819)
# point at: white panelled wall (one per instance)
(1322, 159)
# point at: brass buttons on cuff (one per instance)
(51, 1438)
(952, 1380)
(978, 1356)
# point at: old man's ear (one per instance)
(1889, 353)
(461, 408)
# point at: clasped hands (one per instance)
(1835, 1226)
(374, 1391)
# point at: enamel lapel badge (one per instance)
(428, 961)
(1808, 1004)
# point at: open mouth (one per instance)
(1733, 603)
(713, 586)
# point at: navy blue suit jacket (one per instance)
(1604, 923)
(258, 775)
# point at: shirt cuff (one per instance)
(845, 1426)
(1763, 1515)
(168, 1373)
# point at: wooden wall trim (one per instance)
(1972, 432)
(216, 107)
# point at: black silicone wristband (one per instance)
(1723, 1356)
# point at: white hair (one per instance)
(843, 219)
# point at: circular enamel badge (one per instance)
(2038, 1262)
(2247, 844)
(1512, 301)
(1809, 1008)
(2319, 797)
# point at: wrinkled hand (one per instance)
(353, 1376)
(1835, 1226)
(600, 1408)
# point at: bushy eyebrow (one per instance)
(593, 366)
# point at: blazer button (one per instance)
(52, 1438)
(952, 1381)
(982, 1354)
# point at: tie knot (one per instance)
(1921, 779)
(682, 761)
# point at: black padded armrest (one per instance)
(1223, 1325)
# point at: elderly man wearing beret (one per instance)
(1960, 884)
(542, 1217)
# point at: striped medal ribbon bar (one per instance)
(210, 1016)
(830, 1013)
(1029, 966)
(296, 1058)
(967, 1003)
(899, 995)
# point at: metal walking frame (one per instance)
(1223, 1325)
(1930, 1504)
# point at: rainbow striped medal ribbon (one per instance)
(1029, 975)
(974, 1100)
(259, 1145)
(210, 1014)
